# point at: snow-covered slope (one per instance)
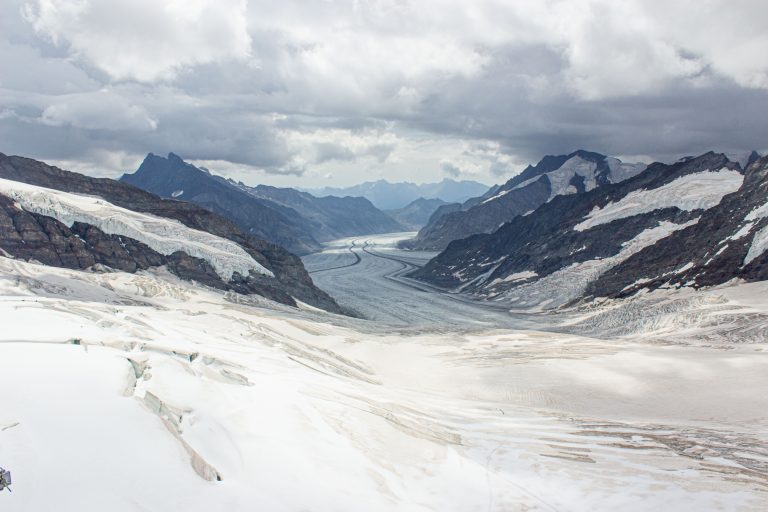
(579, 174)
(166, 236)
(172, 177)
(572, 282)
(699, 191)
(132, 392)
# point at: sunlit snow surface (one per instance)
(701, 190)
(136, 391)
(165, 236)
(760, 240)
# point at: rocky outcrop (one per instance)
(32, 236)
(553, 176)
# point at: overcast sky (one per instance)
(337, 92)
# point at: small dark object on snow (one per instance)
(5, 480)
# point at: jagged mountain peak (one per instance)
(574, 173)
(174, 178)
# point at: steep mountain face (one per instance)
(553, 176)
(330, 217)
(393, 196)
(173, 178)
(617, 238)
(66, 219)
(417, 213)
(729, 241)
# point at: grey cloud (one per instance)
(450, 169)
(381, 151)
(327, 151)
(514, 84)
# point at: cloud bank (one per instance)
(303, 92)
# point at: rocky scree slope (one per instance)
(574, 173)
(597, 243)
(31, 235)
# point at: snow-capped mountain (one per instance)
(65, 219)
(578, 172)
(699, 221)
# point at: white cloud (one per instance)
(144, 40)
(101, 110)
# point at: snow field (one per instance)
(690, 192)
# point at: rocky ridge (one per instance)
(553, 176)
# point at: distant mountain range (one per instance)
(392, 196)
(417, 213)
(329, 217)
(65, 219)
(295, 220)
(553, 176)
(701, 221)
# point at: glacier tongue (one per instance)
(165, 236)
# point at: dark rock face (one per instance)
(173, 178)
(711, 252)
(330, 217)
(546, 240)
(36, 237)
(522, 194)
(417, 213)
